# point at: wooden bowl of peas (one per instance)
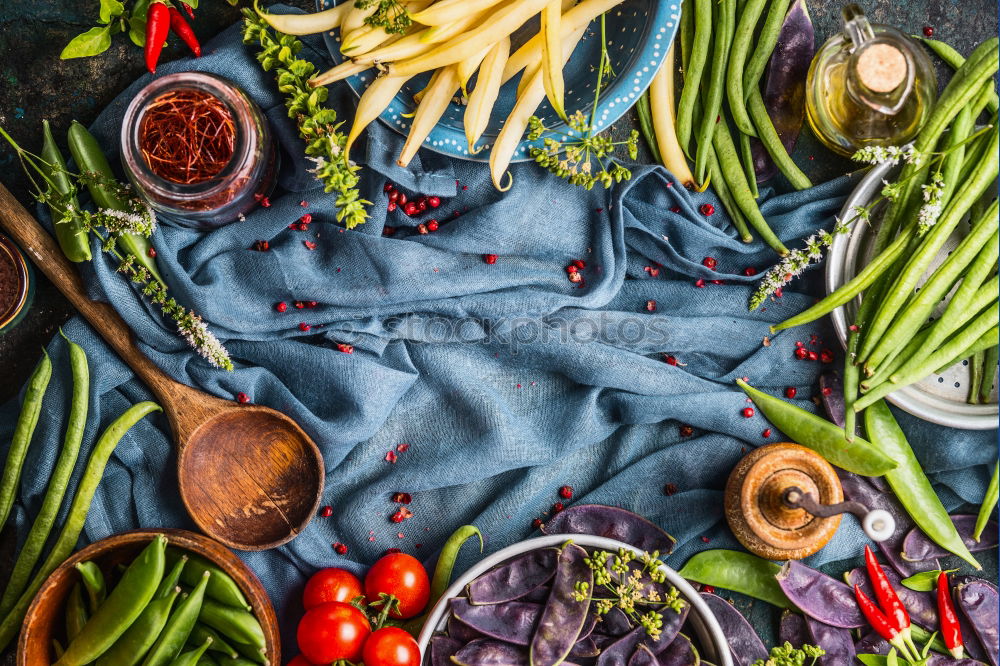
(45, 623)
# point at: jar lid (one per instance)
(881, 67)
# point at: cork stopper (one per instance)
(881, 67)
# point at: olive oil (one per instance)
(870, 85)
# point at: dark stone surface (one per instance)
(35, 85)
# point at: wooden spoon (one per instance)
(248, 475)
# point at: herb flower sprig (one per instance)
(389, 15)
(631, 588)
(787, 655)
(318, 125)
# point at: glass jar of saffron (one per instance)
(198, 149)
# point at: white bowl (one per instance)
(712, 642)
(940, 397)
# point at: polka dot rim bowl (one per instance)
(941, 397)
(639, 32)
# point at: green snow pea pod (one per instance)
(179, 626)
(989, 503)
(443, 569)
(93, 583)
(69, 230)
(820, 435)
(911, 485)
(251, 652)
(172, 577)
(125, 603)
(221, 587)
(192, 657)
(207, 660)
(739, 572)
(219, 644)
(76, 612)
(233, 623)
(140, 637)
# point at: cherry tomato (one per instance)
(331, 585)
(403, 577)
(300, 661)
(333, 631)
(391, 646)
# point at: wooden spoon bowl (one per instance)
(45, 620)
(249, 476)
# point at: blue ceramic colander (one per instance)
(639, 33)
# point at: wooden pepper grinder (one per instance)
(784, 502)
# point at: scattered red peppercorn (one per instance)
(401, 198)
(651, 306)
(826, 356)
(928, 31)
(700, 283)
(790, 392)
(490, 258)
(299, 305)
(265, 202)
(675, 209)
(778, 292)
(151, 252)
(401, 498)
(826, 390)
(326, 512)
(709, 262)
(432, 225)
(708, 589)
(433, 202)
(705, 539)
(281, 306)
(749, 271)
(557, 507)
(306, 219)
(575, 277)
(579, 264)
(261, 246)
(801, 353)
(686, 431)
(242, 397)
(707, 209)
(766, 433)
(312, 304)
(309, 245)
(391, 206)
(410, 208)
(401, 514)
(670, 360)
(388, 231)
(304, 327)
(345, 348)
(813, 356)
(747, 412)
(536, 523)
(669, 489)
(403, 448)
(717, 282)
(853, 328)
(566, 492)
(571, 269)
(390, 456)
(422, 229)
(340, 548)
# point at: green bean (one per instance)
(646, 125)
(766, 42)
(90, 158)
(137, 640)
(981, 344)
(989, 503)
(233, 623)
(221, 587)
(736, 68)
(58, 481)
(76, 612)
(446, 560)
(746, 158)
(172, 577)
(31, 408)
(726, 197)
(191, 657)
(989, 372)
(955, 60)
(125, 603)
(694, 71)
(910, 484)
(931, 244)
(975, 377)
(175, 634)
(732, 173)
(820, 435)
(77, 514)
(69, 230)
(908, 320)
(200, 632)
(974, 154)
(686, 32)
(739, 572)
(772, 142)
(725, 24)
(93, 583)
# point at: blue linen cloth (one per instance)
(492, 385)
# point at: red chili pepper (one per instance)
(886, 594)
(184, 31)
(951, 633)
(875, 616)
(157, 28)
(188, 10)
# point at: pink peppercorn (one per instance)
(432, 225)
(700, 283)
(766, 433)
(579, 264)
(326, 512)
(566, 492)
(340, 548)
(536, 523)
(651, 306)
(749, 271)
(433, 202)
(490, 258)
(707, 209)
(281, 306)
(709, 262)
(747, 412)
(304, 327)
(790, 392)
(345, 348)
(557, 507)
(242, 397)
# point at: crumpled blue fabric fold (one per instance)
(491, 385)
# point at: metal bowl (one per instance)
(639, 35)
(938, 398)
(712, 642)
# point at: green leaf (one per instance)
(872, 659)
(110, 9)
(137, 31)
(925, 581)
(94, 41)
(193, 4)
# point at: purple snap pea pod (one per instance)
(973, 647)
(792, 629)
(611, 522)
(918, 547)
(615, 623)
(539, 595)
(744, 644)
(832, 395)
(858, 489)
(672, 623)
(935, 659)
(513, 622)
(462, 632)
(872, 643)
(642, 656)
(680, 653)
(619, 652)
(588, 626)
(978, 601)
(785, 85)
(515, 579)
(563, 616)
(837, 641)
(443, 648)
(489, 652)
(922, 606)
(819, 596)
(584, 648)
(603, 640)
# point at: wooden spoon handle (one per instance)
(41, 247)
